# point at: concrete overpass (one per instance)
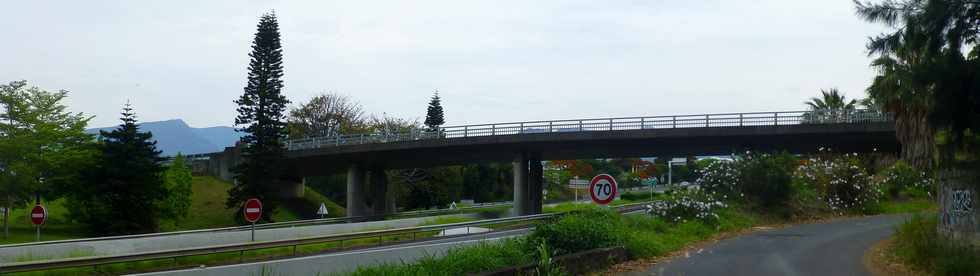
(365, 157)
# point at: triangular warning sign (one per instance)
(322, 210)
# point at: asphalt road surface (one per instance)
(833, 248)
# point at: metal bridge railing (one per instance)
(605, 124)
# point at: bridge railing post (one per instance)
(775, 117)
(466, 131)
(643, 123)
(579, 125)
(673, 122)
(740, 119)
(521, 131)
(706, 120)
(550, 128)
(493, 129)
(610, 124)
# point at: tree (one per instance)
(124, 189)
(261, 118)
(43, 146)
(178, 180)
(925, 78)
(327, 115)
(434, 115)
(831, 100)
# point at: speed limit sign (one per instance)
(603, 189)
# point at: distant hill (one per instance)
(175, 136)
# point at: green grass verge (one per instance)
(913, 205)
(918, 242)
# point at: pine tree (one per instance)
(124, 188)
(434, 116)
(261, 117)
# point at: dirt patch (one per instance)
(880, 261)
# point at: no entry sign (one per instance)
(39, 215)
(603, 189)
(253, 210)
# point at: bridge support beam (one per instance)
(528, 184)
(381, 202)
(356, 206)
(520, 185)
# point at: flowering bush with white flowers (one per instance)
(685, 205)
(902, 180)
(721, 177)
(840, 181)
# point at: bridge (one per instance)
(366, 157)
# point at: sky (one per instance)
(491, 61)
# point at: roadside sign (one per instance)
(452, 206)
(253, 210)
(39, 215)
(578, 183)
(322, 211)
(603, 189)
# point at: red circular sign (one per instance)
(603, 189)
(253, 210)
(38, 214)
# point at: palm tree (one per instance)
(831, 99)
(830, 107)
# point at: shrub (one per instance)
(767, 178)
(902, 180)
(918, 243)
(721, 177)
(686, 205)
(841, 181)
(580, 231)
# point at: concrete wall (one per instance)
(958, 216)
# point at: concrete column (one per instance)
(355, 192)
(293, 188)
(379, 191)
(520, 185)
(535, 186)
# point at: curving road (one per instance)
(832, 248)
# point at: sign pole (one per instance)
(253, 231)
(38, 238)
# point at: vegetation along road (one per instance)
(831, 248)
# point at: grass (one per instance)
(445, 220)
(918, 242)
(913, 205)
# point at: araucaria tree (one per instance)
(433, 116)
(124, 187)
(261, 117)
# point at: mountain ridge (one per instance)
(175, 136)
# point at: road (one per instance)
(16, 253)
(326, 264)
(833, 248)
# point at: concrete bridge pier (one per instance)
(356, 201)
(528, 184)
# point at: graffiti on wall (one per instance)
(959, 208)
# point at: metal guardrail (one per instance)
(605, 124)
(241, 247)
(273, 225)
